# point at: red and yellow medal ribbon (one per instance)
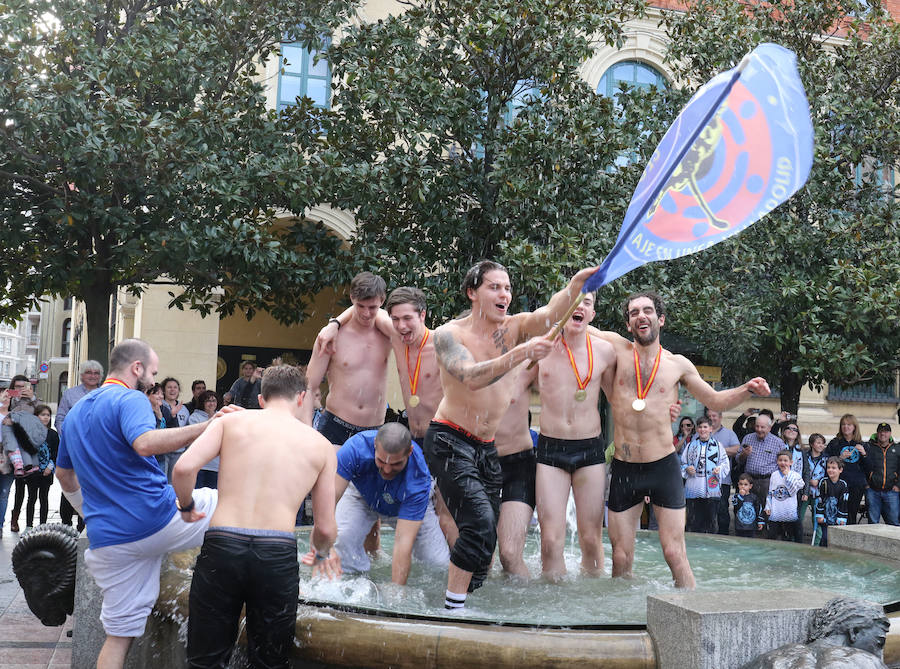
(414, 378)
(642, 392)
(590, 353)
(116, 382)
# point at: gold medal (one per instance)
(639, 405)
(413, 401)
(642, 391)
(414, 378)
(580, 395)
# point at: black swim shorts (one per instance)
(337, 430)
(518, 477)
(660, 480)
(469, 478)
(570, 454)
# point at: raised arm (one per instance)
(459, 363)
(719, 400)
(326, 339)
(315, 373)
(539, 321)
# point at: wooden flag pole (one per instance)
(562, 321)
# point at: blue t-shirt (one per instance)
(405, 496)
(126, 496)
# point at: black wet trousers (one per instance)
(469, 478)
(233, 570)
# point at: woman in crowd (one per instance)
(848, 446)
(685, 435)
(176, 415)
(208, 476)
(23, 400)
(46, 464)
(790, 434)
(155, 395)
(6, 471)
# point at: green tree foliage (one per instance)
(812, 293)
(462, 130)
(135, 144)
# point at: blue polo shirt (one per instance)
(126, 496)
(405, 496)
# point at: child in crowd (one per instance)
(831, 506)
(815, 466)
(781, 502)
(790, 434)
(748, 516)
(703, 464)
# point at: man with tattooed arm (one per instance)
(474, 354)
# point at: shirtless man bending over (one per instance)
(475, 353)
(570, 450)
(645, 462)
(249, 553)
(356, 367)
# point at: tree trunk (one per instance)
(96, 303)
(791, 383)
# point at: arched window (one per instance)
(299, 76)
(632, 72)
(66, 335)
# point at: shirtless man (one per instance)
(403, 321)
(475, 353)
(269, 462)
(570, 450)
(356, 367)
(515, 451)
(645, 462)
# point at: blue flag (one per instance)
(741, 146)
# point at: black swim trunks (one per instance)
(238, 567)
(661, 480)
(468, 475)
(570, 454)
(518, 477)
(337, 430)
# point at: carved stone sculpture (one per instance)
(43, 561)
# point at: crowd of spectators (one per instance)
(779, 478)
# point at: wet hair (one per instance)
(366, 285)
(207, 395)
(843, 615)
(850, 418)
(746, 477)
(656, 299)
(475, 275)
(197, 383)
(41, 408)
(833, 459)
(283, 381)
(405, 295)
(90, 366)
(168, 380)
(128, 351)
(394, 438)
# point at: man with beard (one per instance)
(475, 354)
(644, 386)
(108, 473)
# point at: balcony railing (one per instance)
(864, 392)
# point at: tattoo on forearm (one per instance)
(458, 361)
